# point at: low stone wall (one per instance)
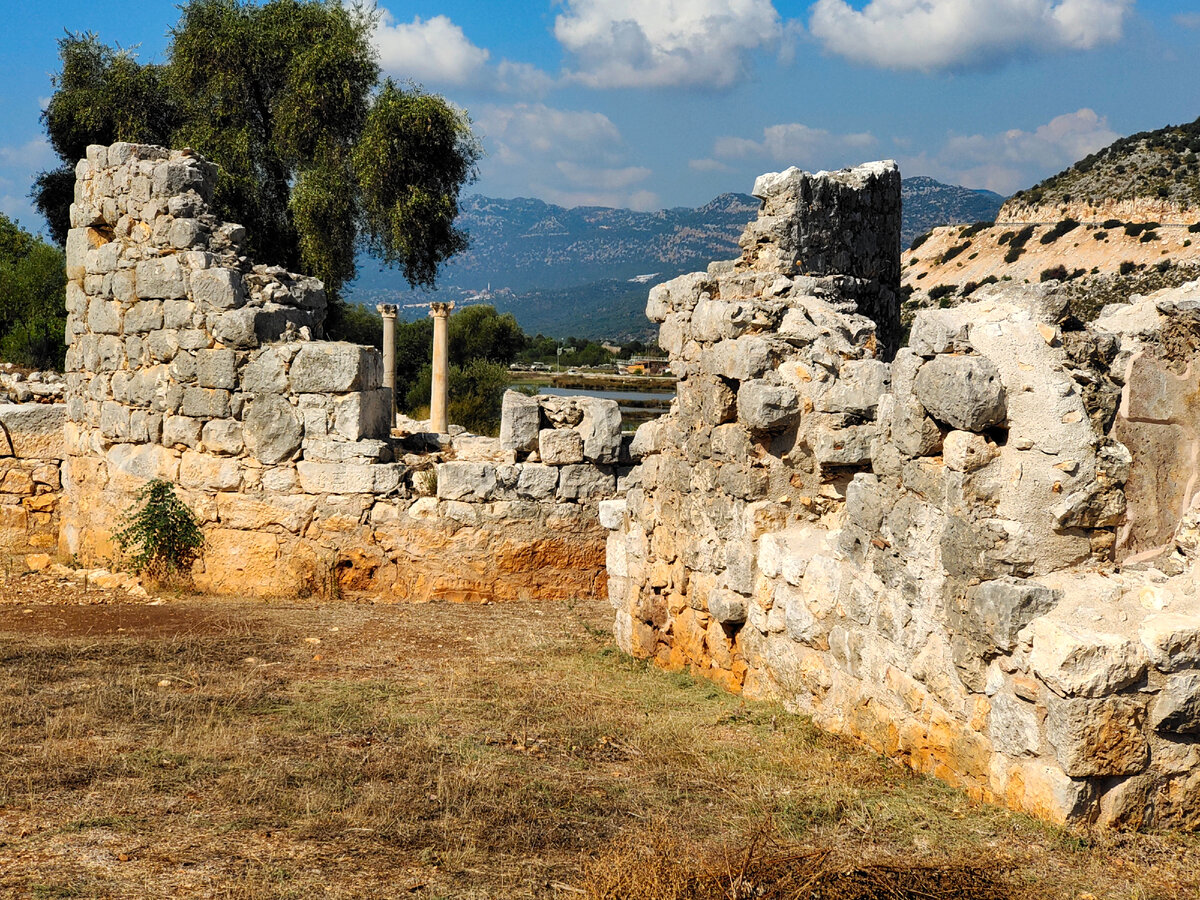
(190, 363)
(31, 453)
(936, 556)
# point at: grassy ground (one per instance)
(215, 748)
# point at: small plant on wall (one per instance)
(159, 535)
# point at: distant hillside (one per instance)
(929, 203)
(586, 271)
(1161, 165)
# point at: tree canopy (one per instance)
(32, 299)
(316, 156)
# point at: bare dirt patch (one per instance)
(218, 748)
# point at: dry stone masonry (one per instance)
(189, 362)
(975, 553)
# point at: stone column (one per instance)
(439, 422)
(388, 311)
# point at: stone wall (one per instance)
(923, 553)
(31, 453)
(189, 362)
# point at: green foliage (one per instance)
(1006, 237)
(1112, 223)
(940, 291)
(971, 230)
(1149, 236)
(476, 390)
(1013, 254)
(313, 154)
(954, 251)
(1126, 267)
(1055, 273)
(1100, 236)
(1194, 228)
(1059, 230)
(161, 537)
(32, 299)
(919, 240)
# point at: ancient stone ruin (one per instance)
(189, 362)
(977, 557)
(973, 548)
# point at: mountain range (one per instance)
(586, 271)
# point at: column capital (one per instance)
(387, 310)
(440, 310)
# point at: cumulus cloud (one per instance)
(1015, 159)
(433, 50)
(668, 43)
(569, 157)
(708, 165)
(793, 144)
(927, 35)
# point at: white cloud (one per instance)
(708, 165)
(1187, 20)
(794, 144)
(666, 43)
(643, 201)
(927, 35)
(522, 78)
(1016, 159)
(433, 50)
(601, 178)
(33, 154)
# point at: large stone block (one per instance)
(348, 478)
(586, 482)
(272, 429)
(216, 369)
(218, 288)
(764, 407)
(995, 611)
(560, 446)
(202, 472)
(537, 482)
(328, 367)
(965, 392)
(160, 279)
(520, 421)
(223, 436)
(236, 328)
(205, 403)
(1075, 660)
(466, 481)
(266, 373)
(1101, 737)
(248, 513)
(600, 429)
(1177, 709)
(363, 415)
(34, 430)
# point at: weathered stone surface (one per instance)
(520, 422)
(205, 403)
(160, 279)
(996, 611)
(266, 373)
(586, 482)
(612, 513)
(223, 436)
(273, 429)
(560, 446)
(1013, 726)
(181, 431)
(346, 478)
(1172, 640)
(965, 392)
(537, 482)
(1075, 660)
(203, 472)
(34, 430)
(964, 451)
(247, 513)
(1177, 709)
(236, 328)
(727, 607)
(466, 481)
(600, 428)
(218, 288)
(362, 451)
(1098, 737)
(765, 407)
(216, 369)
(363, 415)
(336, 368)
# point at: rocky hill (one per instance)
(1121, 221)
(586, 271)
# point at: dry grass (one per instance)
(214, 749)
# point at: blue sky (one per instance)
(652, 103)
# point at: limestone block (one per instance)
(130, 466)
(717, 320)
(800, 623)
(104, 316)
(865, 502)
(612, 513)
(1098, 737)
(144, 316)
(236, 328)
(362, 451)
(248, 513)
(646, 440)
(202, 472)
(223, 437)
(706, 400)
(363, 414)
(965, 392)
(216, 369)
(178, 314)
(750, 356)
(763, 407)
(586, 482)
(600, 429)
(537, 481)
(520, 421)
(1013, 726)
(1172, 640)
(266, 372)
(124, 286)
(218, 288)
(858, 387)
(345, 478)
(205, 403)
(272, 429)
(111, 352)
(1177, 709)
(114, 421)
(163, 345)
(964, 451)
(1075, 660)
(560, 446)
(279, 479)
(336, 367)
(940, 331)
(181, 431)
(183, 233)
(34, 430)
(466, 481)
(160, 279)
(177, 176)
(727, 606)
(997, 610)
(849, 446)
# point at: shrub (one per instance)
(1059, 230)
(1013, 254)
(919, 240)
(162, 537)
(954, 251)
(1056, 273)
(942, 290)
(1021, 238)
(1126, 267)
(1194, 228)
(1100, 236)
(1149, 236)
(1133, 229)
(1006, 237)
(476, 390)
(969, 288)
(1163, 266)
(971, 230)
(1111, 223)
